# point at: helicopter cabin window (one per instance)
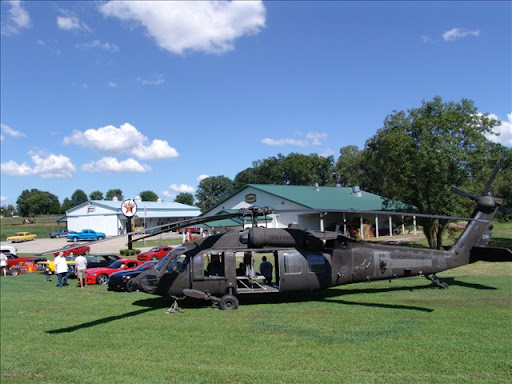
(292, 262)
(316, 262)
(209, 265)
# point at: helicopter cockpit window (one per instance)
(170, 259)
(316, 262)
(292, 262)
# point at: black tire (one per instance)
(154, 258)
(86, 251)
(75, 239)
(14, 271)
(228, 303)
(102, 279)
(130, 286)
(100, 237)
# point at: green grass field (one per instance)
(404, 331)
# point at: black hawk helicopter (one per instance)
(220, 267)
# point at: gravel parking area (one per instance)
(107, 246)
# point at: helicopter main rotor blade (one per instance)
(384, 213)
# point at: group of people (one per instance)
(62, 270)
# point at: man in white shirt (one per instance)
(61, 269)
(80, 267)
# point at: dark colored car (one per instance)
(155, 253)
(117, 281)
(96, 261)
(60, 233)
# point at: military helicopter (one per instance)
(221, 267)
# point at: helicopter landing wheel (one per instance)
(228, 302)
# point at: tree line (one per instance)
(415, 158)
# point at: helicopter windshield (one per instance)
(170, 260)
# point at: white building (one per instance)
(106, 216)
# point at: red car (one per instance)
(155, 253)
(100, 275)
(77, 249)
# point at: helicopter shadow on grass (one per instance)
(328, 296)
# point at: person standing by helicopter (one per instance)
(266, 269)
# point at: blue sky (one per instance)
(157, 95)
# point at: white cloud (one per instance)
(5, 129)
(125, 139)
(182, 188)
(111, 164)
(51, 166)
(98, 44)
(202, 177)
(459, 33)
(156, 80)
(504, 131)
(17, 18)
(283, 142)
(3, 198)
(69, 23)
(316, 137)
(158, 150)
(179, 26)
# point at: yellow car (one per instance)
(21, 236)
(42, 265)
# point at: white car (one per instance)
(9, 249)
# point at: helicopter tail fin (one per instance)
(491, 254)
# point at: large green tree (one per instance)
(349, 166)
(35, 202)
(185, 198)
(148, 196)
(293, 169)
(114, 192)
(96, 195)
(212, 190)
(419, 154)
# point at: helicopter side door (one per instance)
(209, 272)
(304, 270)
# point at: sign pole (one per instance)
(129, 209)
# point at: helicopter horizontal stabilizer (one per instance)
(493, 254)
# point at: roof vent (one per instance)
(356, 190)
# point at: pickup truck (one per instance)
(21, 236)
(86, 234)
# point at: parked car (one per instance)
(96, 261)
(117, 281)
(50, 264)
(86, 234)
(60, 233)
(21, 236)
(93, 261)
(75, 248)
(13, 260)
(101, 275)
(155, 253)
(4, 248)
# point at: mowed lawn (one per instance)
(403, 331)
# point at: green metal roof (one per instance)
(327, 197)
